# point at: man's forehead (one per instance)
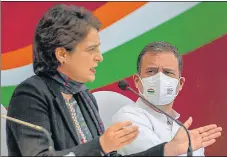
(164, 59)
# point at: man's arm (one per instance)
(146, 137)
(200, 137)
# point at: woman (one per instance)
(66, 53)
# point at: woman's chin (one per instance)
(91, 78)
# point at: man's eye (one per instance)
(91, 49)
(169, 73)
(150, 71)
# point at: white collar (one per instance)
(141, 104)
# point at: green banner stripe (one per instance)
(6, 94)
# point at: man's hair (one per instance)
(158, 47)
(61, 26)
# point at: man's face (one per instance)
(80, 64)
(153, 63)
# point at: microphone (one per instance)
(35, 127)
(124, 86)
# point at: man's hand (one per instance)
(117, 136)
(200, 137)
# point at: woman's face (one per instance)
(80, 64)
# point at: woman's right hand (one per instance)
(117, 136)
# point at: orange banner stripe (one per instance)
(114, 11)
(107, 14)
(17, 58)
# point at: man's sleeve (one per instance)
(146, 137)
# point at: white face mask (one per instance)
(159, 89)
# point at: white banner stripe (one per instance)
(16, 76)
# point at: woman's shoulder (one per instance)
(30, 94)
(32, 84)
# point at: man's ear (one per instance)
(181, 83)
(138, 83)
(136, 80)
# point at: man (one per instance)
(66, 53)
(159, 80)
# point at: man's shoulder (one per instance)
(129, 112)
(129, 108)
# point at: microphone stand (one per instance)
(36, 127)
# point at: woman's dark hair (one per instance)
(61, 26)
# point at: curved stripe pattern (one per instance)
(107, 14)
(7, 91)
(190, 36)
(123, 33)
(133, 25)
